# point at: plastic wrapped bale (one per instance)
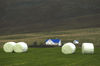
(20, 47)
(68, 48)
(87, 48)
(76, 42)
(8, 47)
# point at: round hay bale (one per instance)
(20, 47)
(8, 47)
(87, 48)
(68, 48)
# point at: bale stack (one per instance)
(68, 48)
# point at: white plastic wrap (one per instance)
(68, 48)
(87, 48)
(20, 47)
(8, 47)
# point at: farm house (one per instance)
(53, 42)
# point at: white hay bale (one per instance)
(68, 48)
(20, 47)
(87, 48)
(76, 42)
(8, 47)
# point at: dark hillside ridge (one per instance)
(21, 16)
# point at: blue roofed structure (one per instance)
(53, 42)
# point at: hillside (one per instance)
(83, 35)
(23, 16)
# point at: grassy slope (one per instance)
(49, 57)
(83, 35)
(23, 16)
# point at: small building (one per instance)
(76, 42)
(55, 42)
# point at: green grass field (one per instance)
(49, 57)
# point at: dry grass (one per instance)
(91, 34)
